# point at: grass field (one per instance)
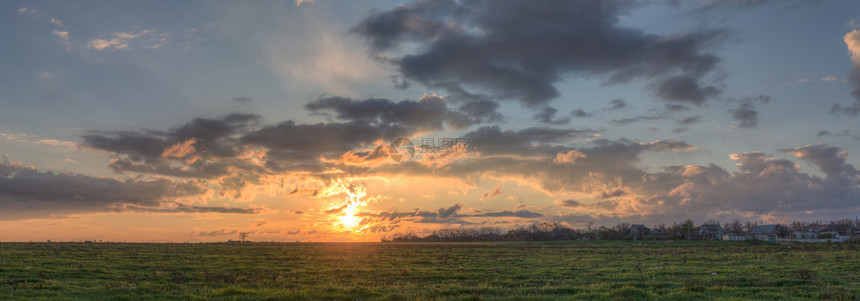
(437, 271)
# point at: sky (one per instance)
(195, 121)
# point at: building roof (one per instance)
(817, 228)
(764, 229)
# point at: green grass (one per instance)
(618, 270)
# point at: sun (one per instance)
(349, 220)
(347, 212)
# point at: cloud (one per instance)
(215, 135)
(62, 35)
(569, 203)
(672, 107)
(746, 113)
(830, 160)
(243, 99)
(520, 50)
(203, 148)
(852, 42)
(580, 113)
(690, 120)
(450, 211)
(122, 40)
(496, 191)
(290, 140)
(180, 150)
(547, 116)
(617, 104)
(844, 133)
(428, 113)
(830, 78)
(508, 213)
(100, 44)
(26, 192)
(300, 2)
(568, 157)
(25, 10)
(174, 207)
(745, 4)
(54, 142)
(56, 22)
(491, 139)
(684, 88)
(627, 121)
(219, 232)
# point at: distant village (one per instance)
(845, 230)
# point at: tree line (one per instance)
(550, 231)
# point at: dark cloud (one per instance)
(580, 113)
(627, 121)
(398, 82)
(26, 192)
(288, 140)
(243, 99)
(612, 194)
(685, 88)
(547, 116)
(690, 120)
(617, 104)
(508, 213)
(746, 4)
(428, 113)
(476, 110)
(448, 212)
(849, 110)
(570, 203)
(390, 219)
(491, 139)
(520, 49)
(219, 232)
(199, 143)
(829, 159)
(671, 107)
(174, 207)
(844, 133)
(746, 113)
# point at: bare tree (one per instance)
(735, 226)
(243, 236)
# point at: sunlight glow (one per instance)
(347, 212)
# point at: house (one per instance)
(764, 232)
(814, 231)
(736, 236)
(711, 231)
(822, 233)
(638, 231)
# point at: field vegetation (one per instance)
(616, 270)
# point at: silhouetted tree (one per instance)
(735, 226)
